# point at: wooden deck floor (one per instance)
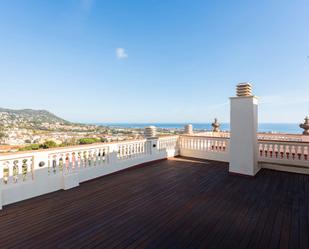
(175, 203)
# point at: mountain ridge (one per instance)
(10, 116)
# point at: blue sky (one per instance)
(154, 60)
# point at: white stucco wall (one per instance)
(243, 141)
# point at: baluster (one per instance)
(15, 171)
(306, 153)
(6, 172)
(281, 152)
(261, 150)
(73, 161)
(266, 150)
(287, 151)
(220, 145)
(55, 164)
(293, 152)
(130, 150)
(100, 156)
(136, 149)
(61, 163)
(276, 149)
(67, 163)
(270, 150)
(85, 161)
(89, 158)
(299, 152)
(212, 145)
(25, 169)
(79, 159)
(208, 147)
(95, 157)
(49, 163)
(119, 151)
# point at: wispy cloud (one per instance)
(121, 53)
(86, 4)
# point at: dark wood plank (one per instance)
(177, 203)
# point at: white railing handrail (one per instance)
(204, 136)
(270, 141)
(70, 148)
(260, 135)
(168, 137)
(80, 146)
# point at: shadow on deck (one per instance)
(176, 203)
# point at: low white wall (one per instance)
(42, 179)
(30, 189)
(98, 171)
(215, 156)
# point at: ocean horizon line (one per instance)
(290, 128)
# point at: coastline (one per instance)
(290, 128)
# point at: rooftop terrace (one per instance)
(174, 203)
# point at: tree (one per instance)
(48, 144)
(103, 140)
(88, 140)
(2, 135)
(30, 147)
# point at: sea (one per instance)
(288, 128)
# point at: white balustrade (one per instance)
(14, 170)
(25, 175)
(71, 160)
(213, 148)
(288, 153)
(212, 144)
(128, 150)
(168, 143)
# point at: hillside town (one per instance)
(28, 129)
